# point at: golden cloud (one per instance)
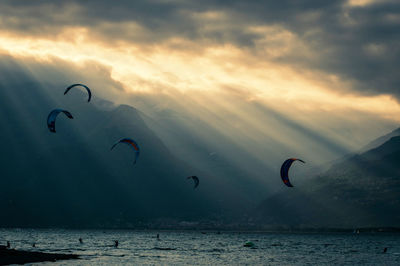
(191, 67)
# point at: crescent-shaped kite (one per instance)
(195, 179)
(285, 170)
(82, 85)
(51, 119)
(132, 144)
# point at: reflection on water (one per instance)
(143, 247)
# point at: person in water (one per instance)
(158, 236)
(116, 243)
(384, 250)
(80, 240)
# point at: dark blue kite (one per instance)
(82, 85)
(285, 170)
(51, 119)
(195, 179)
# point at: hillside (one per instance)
(379, 141)
(72, 179)
(362, 191)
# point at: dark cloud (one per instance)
(360, 44)
(163, 19)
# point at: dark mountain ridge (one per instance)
(361, 191)
(72, 179)
(380, 140)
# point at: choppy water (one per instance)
(195, 248)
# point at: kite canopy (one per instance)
(82, 85)
(195, 180)
(51, 119)
(133, 144)
(285, 170)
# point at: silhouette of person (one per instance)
(80, 240)
(8, 244)
(384, 250)
(116, 243)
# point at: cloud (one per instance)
(356, 40)
(57, 74)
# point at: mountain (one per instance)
(379, 141)
(361, 191)
(72, 179)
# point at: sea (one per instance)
(208, 247)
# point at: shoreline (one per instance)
(14, 256)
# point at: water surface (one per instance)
(210, 248)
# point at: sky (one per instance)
(314, 76)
